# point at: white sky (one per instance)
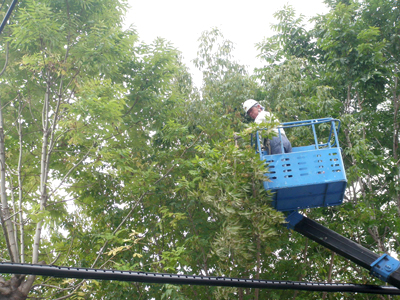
(181, 22)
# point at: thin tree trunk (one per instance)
(14, 208)
(44, 171)
(305, 262)
(330, 272)
(240, 293)
(395, 100)
(21, 217)
(395, 120)
(257, 291)
(359, 103)
(347, 110)
(44, 166)
(5, 212)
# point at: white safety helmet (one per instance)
(249, 104)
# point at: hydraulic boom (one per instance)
(384, 267)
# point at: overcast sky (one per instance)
(245, 23)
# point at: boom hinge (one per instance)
(384, 266)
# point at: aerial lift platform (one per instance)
(314, 176)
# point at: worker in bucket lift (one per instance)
(253, 109)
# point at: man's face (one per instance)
(253, 112)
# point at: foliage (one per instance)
(112, 159)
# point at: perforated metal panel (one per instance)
(308, 177)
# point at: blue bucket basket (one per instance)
(310, 176)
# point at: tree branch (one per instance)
(52, 286)
(73, 168)
(8, 218)
(6, 62)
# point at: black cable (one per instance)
(146, 277)
(3, 24)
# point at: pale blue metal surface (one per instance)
(384, 266)
(310, 176)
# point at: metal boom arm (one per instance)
(384, 267)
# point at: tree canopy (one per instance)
(111, 158)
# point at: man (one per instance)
(259, 115)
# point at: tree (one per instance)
(111, 159)
(64, 105)
(110, 125)
(206, 213)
